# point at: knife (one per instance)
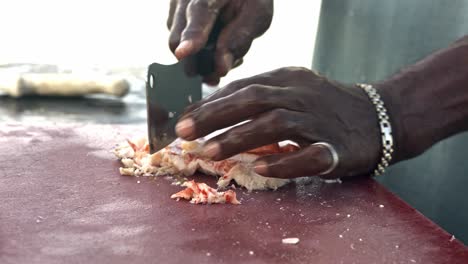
(169, 89)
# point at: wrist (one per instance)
(424, 108)
(428, 101)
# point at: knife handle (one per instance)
(62, 84)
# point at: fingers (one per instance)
(286, 77)
(201, 16)
(176, 22)
(192, 25)
(272, 78)
(269, 127)
(170, 17)
(309, 161)
(237, 36)
(230, 110)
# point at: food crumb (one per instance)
(138, 181)
(360, 239)
(341, 236)
(278, 199)
(208, 254)
(348, 216)
(38, 220)
(352, 247)
(452, 238)
(251, 253)
(397, 246)
(290, 240)
(193, 229)
(412, 260)
(337, 214)
(381, 206)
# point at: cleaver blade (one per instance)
(169, 90)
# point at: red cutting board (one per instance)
(63, 201)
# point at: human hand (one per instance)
(289, 104)
(236, 22)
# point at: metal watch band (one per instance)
(385, 128)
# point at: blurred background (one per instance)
(88, 34)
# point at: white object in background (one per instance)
(61, 84)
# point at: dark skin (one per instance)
(190, 23)
(288, 104)
(427, 102)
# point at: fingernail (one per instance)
(211, 150)
(183, 49)
(261, 168)
(185, 128)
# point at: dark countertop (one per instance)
(63, 201)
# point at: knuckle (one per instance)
(233, 139)
(293, 71)
(285, 125)
(207, 5)
(297, 103)
(292, 127)
(298, 71)
(252, 92)
(289, 75)
(278, 115)
(278, 73)
(200, 3)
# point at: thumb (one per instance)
(201, 16)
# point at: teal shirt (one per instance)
(368, 40)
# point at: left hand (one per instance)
(235, 24)
(289, 104)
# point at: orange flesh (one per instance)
(201, 191)
(273, 149)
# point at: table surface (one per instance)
(63, 201)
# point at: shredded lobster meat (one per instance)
(201, 193)
(182, 158)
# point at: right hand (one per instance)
(241, 21)
(289, 104)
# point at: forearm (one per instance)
(428, 101)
